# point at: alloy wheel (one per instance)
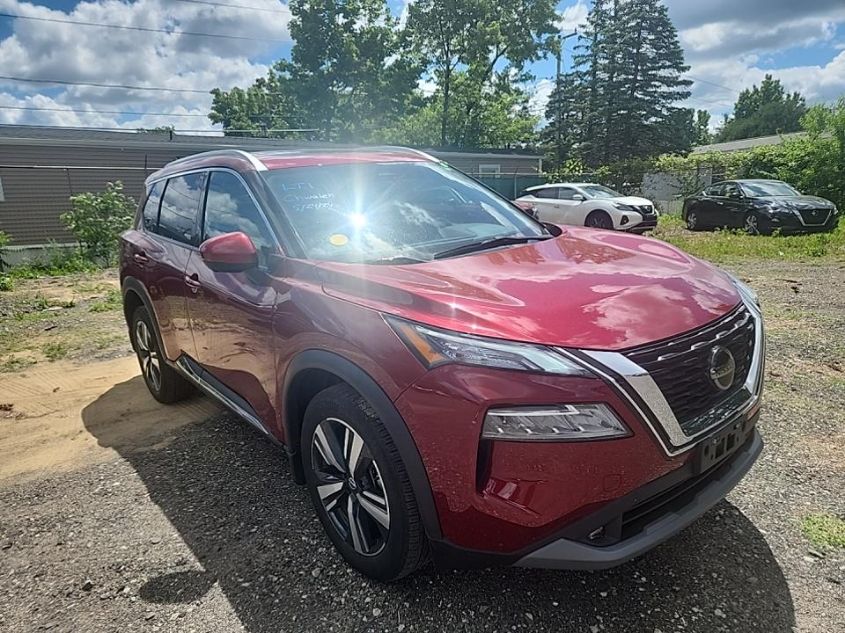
(599, 221)
(692, 220)
(148, 354)
(752, 226)
(350, 486)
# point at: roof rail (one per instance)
(394, 148)
(257, 164)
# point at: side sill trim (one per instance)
(198, 377)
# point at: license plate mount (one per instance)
(718, 447)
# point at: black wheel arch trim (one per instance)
(361, 381)
(132, 284)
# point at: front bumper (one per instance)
(677, 500)
(788, 223)
(648, 223)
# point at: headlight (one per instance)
(622, 207)
(436, 347)
(559, 422)
(744, 289)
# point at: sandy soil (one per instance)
(42, 410)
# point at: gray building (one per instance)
(40, 168)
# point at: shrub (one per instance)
(98, 219)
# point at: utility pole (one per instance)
(560, 40)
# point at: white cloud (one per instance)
(89, 54)
(573, 17)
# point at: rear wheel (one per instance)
(693, 222)
(599, 220)
(359, 486)
(164, 382)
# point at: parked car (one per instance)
(758, 206)
(449, 377)
(588, 204)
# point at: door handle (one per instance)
(193, 282)
(141, 257)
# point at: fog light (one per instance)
(553, 423)
(624, 220)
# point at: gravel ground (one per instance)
(204, 531)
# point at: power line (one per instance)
(64, 82)
(235, 6)
(704, 81)
(75, 111)
(141, 28)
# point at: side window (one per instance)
(151, 207)
(548, 192)
(715, 190)
(179, 207)
(229, 208)
(565, 193)
(731, 190)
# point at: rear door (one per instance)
(549, 207)
(231, 313)
(173, 237)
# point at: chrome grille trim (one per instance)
(629, 378)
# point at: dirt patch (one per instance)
(65, 415)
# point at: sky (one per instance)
(729, 45)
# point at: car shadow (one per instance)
(228, 492)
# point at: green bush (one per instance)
(98, 219)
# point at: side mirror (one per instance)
(578, 197)
(736, 195)
(229, 253)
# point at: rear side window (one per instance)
(548, 192)
(229, 208)
(151, 207)
(179, 207)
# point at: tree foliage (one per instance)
(349, 74)
(763, 110)
(98, 219)
(476, 51)
(625, 87)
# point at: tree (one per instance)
(477, 43)
(628, 69)
(702, 128)
(763, 110)
(98, 219)
(564, 110)
(349, 74)
(500, 118)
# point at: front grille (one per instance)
(681, 366)
(815, 216)
(645, 209)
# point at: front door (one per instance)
(734, 206)
(231, 313)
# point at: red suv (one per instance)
(449, 377)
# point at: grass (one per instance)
(112, 301)
(824, 530)
(724, 245)
(56, 350)
(15, 364)
(55, 262)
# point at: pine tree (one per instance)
(629, 64)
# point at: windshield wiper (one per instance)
(398, 259)
(473, 247)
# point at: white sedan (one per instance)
(588, 204)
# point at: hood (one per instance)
(585, 288)
(632, 200)
(797, 202)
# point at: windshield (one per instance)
(599, 191)
(768, 188)
(365, 212)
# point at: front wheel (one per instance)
(599, 220)
(755, 225)
(359, 486)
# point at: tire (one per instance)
(599, 220)
(693, 221)
(388, 541)
(165, 384)
(754, 224)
